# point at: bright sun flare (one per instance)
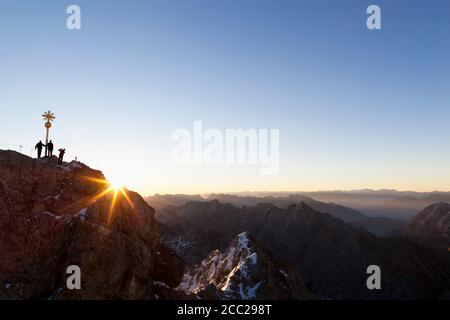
(116, 185)
(115, 188)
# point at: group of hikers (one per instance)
(49, 151)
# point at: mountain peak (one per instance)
(303, 207)
(430, 226)
(438, 206)
(243, 271)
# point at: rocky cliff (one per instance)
(54, 216)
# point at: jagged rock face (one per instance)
(197, 228)
(431, 226)
(244, 271)
(330, 256)
(52, 217)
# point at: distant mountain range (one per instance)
(399, 205)
(159, 202)
(377, 225)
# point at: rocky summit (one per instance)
(53, 217)
(244, 271)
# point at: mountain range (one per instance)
(402, 205)
(377, 225)
(55, 216)
(329, 255)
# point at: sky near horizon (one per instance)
(355, 108)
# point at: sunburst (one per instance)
(117, 190)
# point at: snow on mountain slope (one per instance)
(243, 271)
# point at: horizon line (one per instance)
(206, 194)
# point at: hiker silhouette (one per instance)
(61, 156)
(39, 147)
(50, 149)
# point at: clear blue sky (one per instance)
(355, 108)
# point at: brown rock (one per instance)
(52, 217)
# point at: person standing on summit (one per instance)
(61, 156)
(50, 149)
(39, 147)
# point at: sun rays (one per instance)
(116, 189)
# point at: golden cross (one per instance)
(48, 116)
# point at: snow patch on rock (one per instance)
(71, 166)
(52, 215)
(249, 292)
(161, 284)
(283, 273)
(81, 214)
(224, 271)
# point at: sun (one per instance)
(114, 187)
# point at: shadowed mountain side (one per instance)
(329, 255)
(55, 216)
(243, 271)
(376, 225)
(431, 227)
